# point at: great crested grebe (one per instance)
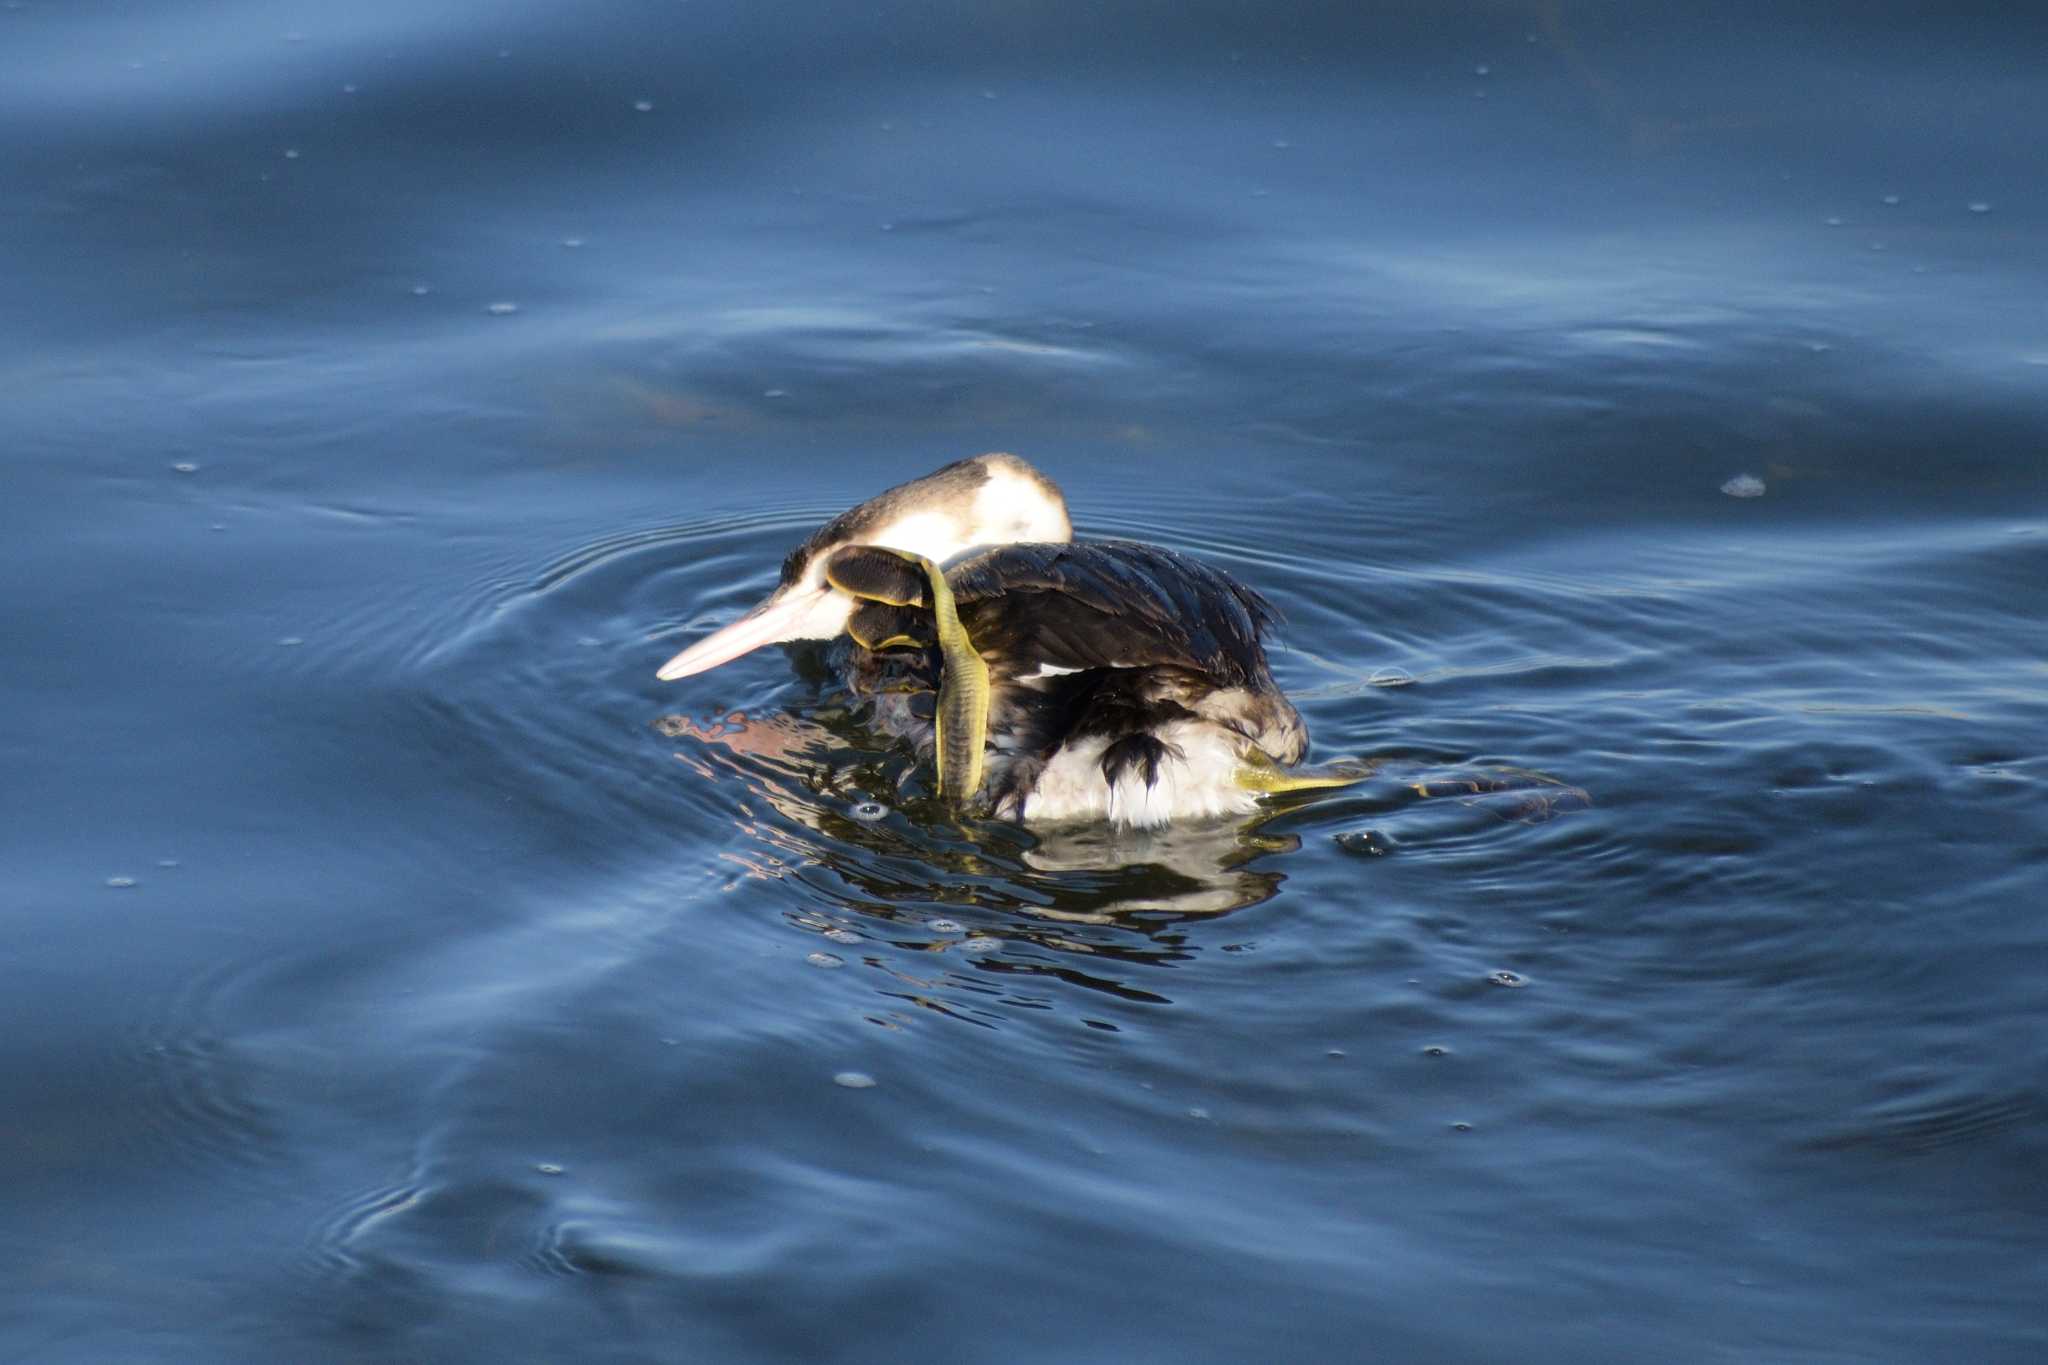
(1047, 679)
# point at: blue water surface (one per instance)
(1639, 412)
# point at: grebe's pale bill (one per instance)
(802, 612)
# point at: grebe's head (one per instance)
(988, 500)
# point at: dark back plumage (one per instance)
(1097, 604)
(1112, 604)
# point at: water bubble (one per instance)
(186, 467)
(1461, 1127)
(945, 926)
(842, 935)
(1390, 677)
(121, 883)
(868, 812)
(1281, 144)
(420, 291)
(1335, 1052)
(1832, 222)
(1980, 206)
(644, 106)
(572, 242)
(1365, 843)
(826, 960)
(291, 154)
(547, 1168)
(1507, 978)
(981, 944)
(166, 862)
(775, 393)
(854, 1080)
(1436, 1050)
(291, 641)
(1744, 486)
(1197, 1112)
(1891, 200)
(501, 309)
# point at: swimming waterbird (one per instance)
(1047, 679)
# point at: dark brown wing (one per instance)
(1111, 604)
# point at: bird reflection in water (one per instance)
(823, 775)
(974, 920)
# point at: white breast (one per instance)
(1201, 783)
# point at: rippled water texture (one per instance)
(1638, 411)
